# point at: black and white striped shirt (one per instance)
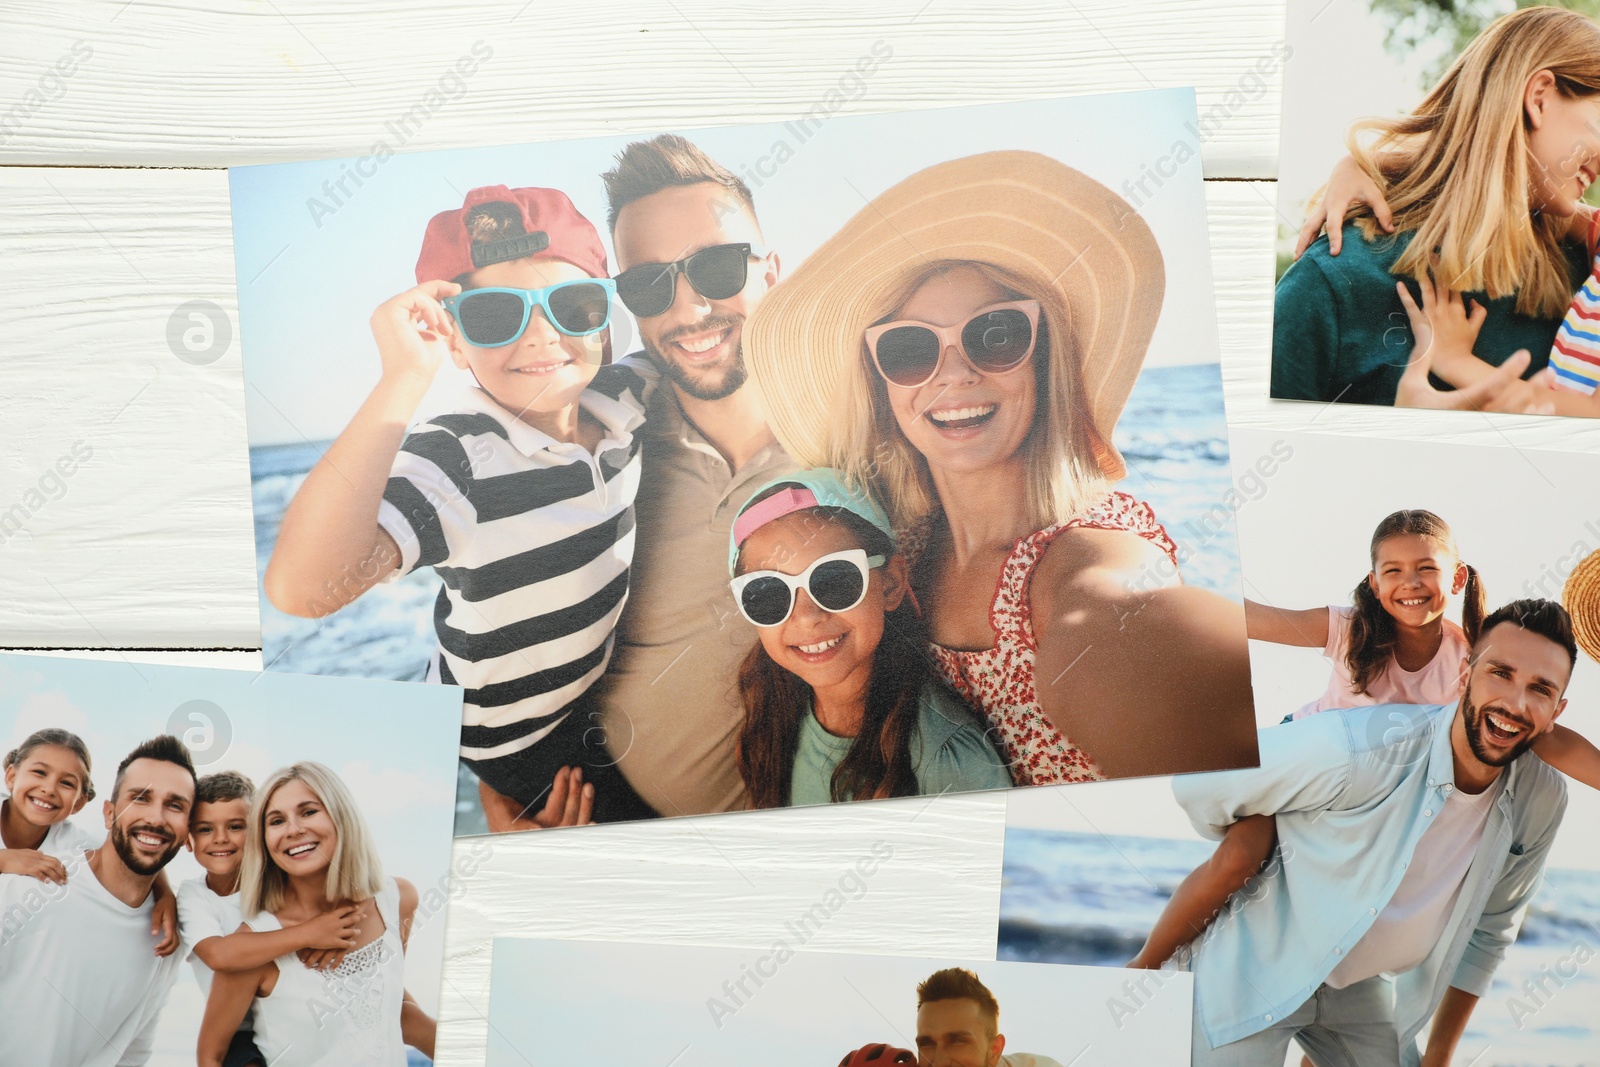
(533, 540)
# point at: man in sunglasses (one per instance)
(692, 266)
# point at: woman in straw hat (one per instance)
(963, 347)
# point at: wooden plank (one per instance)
(189, 83)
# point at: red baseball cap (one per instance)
(554, 230)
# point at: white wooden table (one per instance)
(115, 213)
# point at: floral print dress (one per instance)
(999, 680)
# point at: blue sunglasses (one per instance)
(490, 318)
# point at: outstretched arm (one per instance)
(246, 949)
(1570, 753)
(1123, 670)
(330, 548)
(1305, 627)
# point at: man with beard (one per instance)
(80, 983)
(1411, 839)
(692, 267)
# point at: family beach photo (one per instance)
(220, 868)
(559, 1002)
(1458, 265)
(1408, 874)
(723, 471)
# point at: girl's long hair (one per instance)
(878, 763)
(51, 735)
(354, 873)
(1372, 636)
(1457, 169)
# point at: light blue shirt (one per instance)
(1353, 790)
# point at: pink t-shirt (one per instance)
(1438, 682)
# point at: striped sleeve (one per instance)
(1575, 356)
(425, 505)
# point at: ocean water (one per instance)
(1172, 435)
(1091, 899)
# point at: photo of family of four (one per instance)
(296, 937)
(1461, 267)
(845, 534)
(1376, 867)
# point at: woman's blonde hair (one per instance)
(1062, 472)
(1457, 169)
(354, 873)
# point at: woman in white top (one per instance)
(308, 850)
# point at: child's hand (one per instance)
(322, 959)
(1443, 326)
(413, 331)
(335, 929)
(164, 924)
(1454, 325)
(34, 864)
(1348, 184)
(570, 802)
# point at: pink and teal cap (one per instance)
(819, 487)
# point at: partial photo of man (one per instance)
(1414, 836)
(958, 1025)
(80, 982)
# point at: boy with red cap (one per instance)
(521, 498)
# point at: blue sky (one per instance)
(309, 280)
(394, 743)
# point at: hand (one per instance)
(1500, 390)
(1444, 327)
(164, 923)
(322, 959)
(34, 864)
(570, 802)
(413, 331)
(1347, 185)
(1453, 322)
(335, 929)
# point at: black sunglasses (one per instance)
(716, 273)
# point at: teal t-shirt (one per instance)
(949, 752)
(1340, 333)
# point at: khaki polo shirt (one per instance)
(669, 701)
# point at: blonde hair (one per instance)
(354, 872)
(1457, 169)
(1062, 472)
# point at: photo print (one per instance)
(221, 867)
(561, 1002)
(746, 469)
(1437, 231)
(1414, 847)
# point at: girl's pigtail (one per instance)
(1474, 605)
(1371, 638)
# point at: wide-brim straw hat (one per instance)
(1077, 247)
(1581, 597)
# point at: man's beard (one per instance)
(1473, 716)
(700, 387)
(131, 859)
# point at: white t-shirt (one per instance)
(97, 952)
(64, 837)
(203, 914)
(1027, 1059)
(1410, 925)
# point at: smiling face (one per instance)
(1514, 692)
(544, 370)
(47, 785)
(1563, 143)
(217, 833)
(824, 649)
(963, 420)
(1412, 575)
(147, 822)
(955, 1033)
(299, 834)
(696, 341)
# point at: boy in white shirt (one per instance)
(208, 908)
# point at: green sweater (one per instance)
(1340, 333)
